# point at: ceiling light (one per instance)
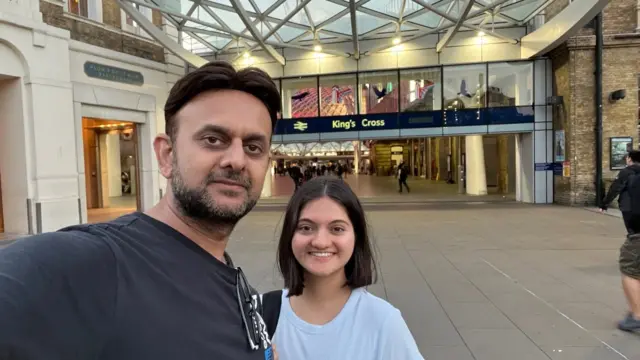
(396, 40)
(317, 48)
(246, 55)
(481, 33)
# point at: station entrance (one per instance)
(439, 167)
(111, 168)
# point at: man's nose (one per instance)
(234, 156)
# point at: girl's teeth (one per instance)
(324, 254)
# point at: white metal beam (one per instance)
(354, 29)
(564, 25)
(452, 31)
(422, 34)
(160, 36)
(242, 13)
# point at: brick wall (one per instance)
(573, 75)
(620, 16)
(108, 36)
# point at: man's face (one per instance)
(220, 155)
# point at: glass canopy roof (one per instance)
(222, 26)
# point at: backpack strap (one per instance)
(271, 302)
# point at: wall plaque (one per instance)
(112, 73)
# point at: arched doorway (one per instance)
(13, 167)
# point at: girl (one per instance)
(326, 260)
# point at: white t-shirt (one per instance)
(367, 328)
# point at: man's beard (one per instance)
(198, 204)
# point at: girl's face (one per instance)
(324, 239)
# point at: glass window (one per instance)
(79, 7)
(300, 98)
(128, 24)
(420, 90)
(464, 86)
(378, 92)
(510, 84)
(337, 95)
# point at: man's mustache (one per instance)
(229, 175)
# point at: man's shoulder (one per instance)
(70, 246)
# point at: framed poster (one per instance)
(559, 146)
(618, 149)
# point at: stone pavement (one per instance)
(486, 281)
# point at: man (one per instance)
(620, 190)
(156, 285)
(403, 173)
(625, 188)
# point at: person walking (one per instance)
(156, 284)
(626, 187)
(403, 173)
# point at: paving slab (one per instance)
(485, 281)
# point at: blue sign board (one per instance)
(112, 73)
(420, 119)
(406, 120)
(556, 167)
(337, 124)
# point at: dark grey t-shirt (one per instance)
(133, 288)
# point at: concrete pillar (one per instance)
(475, 171)
(286, 106)
(356, 157)
(428, 158)
(268, 180)
(503, 164)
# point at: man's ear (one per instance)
(163, 147)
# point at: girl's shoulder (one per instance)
(376, 309)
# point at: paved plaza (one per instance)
(480, 281)
(484, 281)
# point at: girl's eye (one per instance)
(337, 229)
(304, 228)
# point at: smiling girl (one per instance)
(326, 259)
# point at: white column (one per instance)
(524, 168)
(286, 106)
(268, 180)
(475, 171)
(356, 157)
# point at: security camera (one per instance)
(617, 95)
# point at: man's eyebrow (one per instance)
(255, 137)
(210, 128)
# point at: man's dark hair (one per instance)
(634, 155)
(220, 75)
(360, 270)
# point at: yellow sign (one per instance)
(566, 169)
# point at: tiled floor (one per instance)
(118, 206)
(487, 281)
(385, 188)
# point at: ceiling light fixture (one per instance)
(481, 33)
(396, 40)
(317, 48)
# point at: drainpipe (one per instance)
(598, 79)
